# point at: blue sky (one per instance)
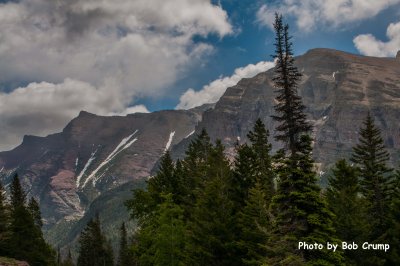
(124, 56)
(253, 43)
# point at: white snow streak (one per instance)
(171, 136)
(334, 74)
(124, 144)
(78, 179)
(191, 133)
(1, 170)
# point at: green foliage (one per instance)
(26, 241)
(371, 158)
(393, 232)
(254, 223)
(244, 173)
(212, 224)
(94, 248)
(170, 235)
(300, 213)
(34, 209)
(204, 211)
(125, 257)
(343, 197)
(289, 108)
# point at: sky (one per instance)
(125, 56)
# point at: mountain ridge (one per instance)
(69, 170)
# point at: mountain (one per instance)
(338, 89)
(92, 165)
(68, 170)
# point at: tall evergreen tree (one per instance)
(145, 202)
(301, 214)
(34, 209)
(170, 235)
(212, 225)
(393, 231)
(371, 157)
(197, 163)
(125, 257)
(253, 163)
(18, 196)
(289, 109)
(254, 224)
(26, 240)
(244, 174)
(343, 196)
(4, 223)
(263, 162)
(94, 249)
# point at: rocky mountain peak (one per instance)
(398, 55)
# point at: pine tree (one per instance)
(371, 157)
(254, 223)
(197, 164)
(290, 110)
(170, 235)
(393, 232)
(343, 196)
(4, 223)
(145, 202)
(166, 180)
(26, 242)
(253, 163)
(94, 249)
(263, 162)
(300, 213)
(18, 196)
(244, 174)
(212, 225)
(125, 258)
(34, 209)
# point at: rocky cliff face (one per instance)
(95, 160)
(68, 170)
(338, 90)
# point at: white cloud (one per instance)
(140, 108)
(212, 92)
(113, 51)
(331, 13)
(367, 44)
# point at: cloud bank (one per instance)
(98, 56)
(367, 44)
(211, 92)
(331, 13)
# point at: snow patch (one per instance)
(324, 118)
(1, 170)
(78, 179)
(171, 136)
(191, 133)
(124, 144)
(334, 74)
